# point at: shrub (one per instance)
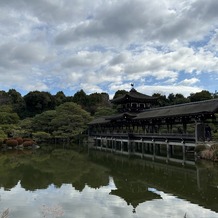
(11, 142)
(19, 140)
(200, 148)
(28, 143)
(207, 154)
(215, 155)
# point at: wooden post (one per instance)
(129, 146)
(183, 151)
(168, 151)
(143, 149)
(154, 149)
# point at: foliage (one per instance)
(200, 148)
(40, 136)
(119, 93)
(12, 142)
(177, 99)
(200, 96)
(80, 97)
(42, 122)
(68, 120)
(8, 118)
(38, 102)
(60, 98)
(3, 135)
(104, 111)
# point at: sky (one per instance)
(161, 46)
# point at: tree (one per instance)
(8, 118)
(38, 102)
(161, 99)
(104, 111)
(60, 98)
(17, 102)
(96, 100)
(200, 96)
(70, 120)
(42, 122)
(119, 93)
(80, 98)
(177, 99)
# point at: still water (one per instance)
(64, 183)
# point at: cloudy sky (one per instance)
(164, 46)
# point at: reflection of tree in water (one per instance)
(58, 167)
(33, 178)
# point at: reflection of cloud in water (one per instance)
(91, 202)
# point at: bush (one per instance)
(215, 155)
(28, 143)
(19, 141)
(12, 143)
(200, 148)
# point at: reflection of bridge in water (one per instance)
(133, 178)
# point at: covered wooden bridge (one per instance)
(170, 132)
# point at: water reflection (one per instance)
(66, 184)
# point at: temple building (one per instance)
(142, 128)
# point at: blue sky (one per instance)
(105, 45)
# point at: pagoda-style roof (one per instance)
(133, 96)
(108, 119)
(192, 109)
(200, 108)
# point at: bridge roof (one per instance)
(192, 109)
(208, 107)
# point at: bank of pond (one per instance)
(18, 143)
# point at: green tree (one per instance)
(119, 93)
(161, 99)
(70, 120)
(96, 100)
(17, 102)
(38, 102)
(200, 96)
(60, 98)
(177, 99)
(8, 118)
(80, 98)
(42, 122)
(104, 111)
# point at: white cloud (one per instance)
(64, 44)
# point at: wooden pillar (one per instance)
(129, 146)
(184, 125)
(101, 142)
(183, 151)
(143, 149)
(168, 150)
(154, 150)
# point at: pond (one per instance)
(65, 183)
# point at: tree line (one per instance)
(45, 115)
